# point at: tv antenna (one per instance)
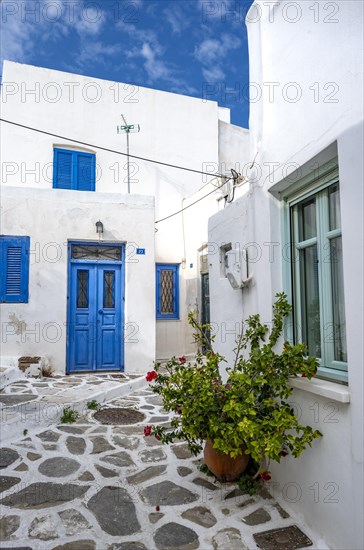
(127, 129)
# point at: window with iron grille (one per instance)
(167, 295)
(14, 260)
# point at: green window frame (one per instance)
(315, 278)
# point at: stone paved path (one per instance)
(86, 486)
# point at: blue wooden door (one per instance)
(95, 317)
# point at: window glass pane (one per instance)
(166, 291)
(338, 306)
(95, 252)
(307, 220)
(109, 287)
(310, 307)
(82, 289)
(334, 207)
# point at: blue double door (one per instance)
(95, 315)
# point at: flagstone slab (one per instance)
(126, 442)
(121, 459)
(201, 482)
(183, 471)
(77, 545)
(44, 495)
(7, 457)
(152, 455)
(6, 482)
(59, 466)
(100, 445)
(21, 468)
(127, 546)
(43, 528)
(174, 536)
(257, 517)
(86, 476)
(167, 493)
(149, 473)
(73, 521)
(228, 539)
(154, 419)
(155, 516)
(281, 511)
(33, 456)
(115, 512)
(181, 451)
(77, 430)
(9, 400)
(49, 436)
(75, 445)
(8, 526)
(200, 515)
(106, 472)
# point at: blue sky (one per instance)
(192, 47)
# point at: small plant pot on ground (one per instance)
(222, 465)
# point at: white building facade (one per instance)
(299, 221)
(115, 299)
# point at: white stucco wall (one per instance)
(174, 129)
(56, 217)
(324, 62)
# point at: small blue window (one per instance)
(14, 258)
(73, 170)
(167, 291)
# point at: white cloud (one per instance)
(155, 67)
(35, 23)
(213, 74)
(212, 54)
(177, 18)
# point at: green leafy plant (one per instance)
(93, 405)
(25, 432)
(251, 410)
(69, 416)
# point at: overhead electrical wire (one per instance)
(192, 203)
(112, 150)
(136, 157)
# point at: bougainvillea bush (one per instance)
(251, 411)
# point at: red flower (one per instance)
(283, 453)
(303, 375)
(152, 375)
(182, 359)
(265, 476)
(157, 508)
(147, 430)
(178, 409)
(157, 437)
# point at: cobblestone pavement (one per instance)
(87, 486)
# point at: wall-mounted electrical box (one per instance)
(236, 266)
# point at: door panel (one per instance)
(95, 317)
(108, 323)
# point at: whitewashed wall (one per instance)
(317, 55)
(57, 216)
(175, 129)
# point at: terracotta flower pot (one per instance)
(222, 465)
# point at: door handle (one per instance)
(100, 311)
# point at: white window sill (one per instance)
(336, 392)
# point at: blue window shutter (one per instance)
(62, 169)
(85, 172)
(14, 286)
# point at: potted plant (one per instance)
(249, 415)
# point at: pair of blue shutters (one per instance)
(74, 170)
(14, 281)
